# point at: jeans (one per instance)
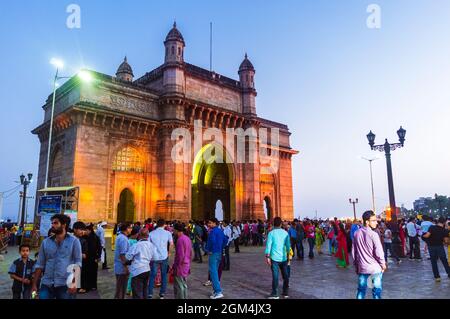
(51, 292)
(388, 246)
(377, 285)
(213, 265)
(139, 285)
(154, 269)
(236, 245)
(276, 266)
(300, 249)
(414, 246)
(197, 252)
(180, 287)
(438, 252)
(311, 242)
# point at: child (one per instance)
(21, 271)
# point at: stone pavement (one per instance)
(250, 278)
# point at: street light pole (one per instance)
(354, 206)
(370, 160)
(25, 182)
(387, 148)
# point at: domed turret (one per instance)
(174, 44)
(125, 72)
(247, 79)
(247, 74)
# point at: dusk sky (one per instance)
(319, 69)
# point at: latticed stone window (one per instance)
(128, 160)
(219, 182)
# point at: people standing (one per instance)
(79, 230)
(368, 257)
(435, 236)
(387, 238)
(93, 257)
(300, 237)
(414, 243)
(215, 246)
(236, 235)
(163, 241)
(120, 262)
(21, 272)
(140, 255)
(311, 236)
(198, 235)
(292, 232)
(226, 250)
(101, 234)
(132, 240)
(342, 252)
(320, 238)
(278, 247)
(55, 255)
(182, 262)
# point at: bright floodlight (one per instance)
(57, 63)
(85, 76)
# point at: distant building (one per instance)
(421, 204)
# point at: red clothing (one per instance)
(342, 252)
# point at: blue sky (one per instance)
(319, 69)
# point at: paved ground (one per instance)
(250, 278)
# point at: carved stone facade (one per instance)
(112, 137)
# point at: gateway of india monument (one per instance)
(112, 138)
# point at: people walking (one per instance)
(368, 257)
(311, 236)
(236, 235)
(413, 236)
(55, 255)
(342, 252)
(182, 262)
(163, 241)
(120, 262)
(93, 257)
(435, 236)
(140, 255)
(215, 246)
(387, 238)
(101, 235)
(277, 249)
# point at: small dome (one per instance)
(125, 68)
(246, 65)
(174, 34)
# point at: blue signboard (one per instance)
(50, 204)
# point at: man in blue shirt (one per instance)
(277, 249)
(56, 254)
(120, 262)
(214, 246)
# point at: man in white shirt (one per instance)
(101, 234)
(140, 256)
(414, 243)
(236, 234)
(163, 242)
(227, 232)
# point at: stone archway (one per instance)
(126, 207)
(212, 181)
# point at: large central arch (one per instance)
(213, 179)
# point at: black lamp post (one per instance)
(354, 202)
(387, 148)
(25, 181)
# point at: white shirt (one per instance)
(236, 232)
(160, 238)
(388, 236)
(141, 254)
(227, 232)
(101, 235)
(411, 228)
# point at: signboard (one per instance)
(50, 204)
(46, 224)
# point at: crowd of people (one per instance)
(142, 252)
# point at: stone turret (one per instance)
(247, 80)
(173, 79)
